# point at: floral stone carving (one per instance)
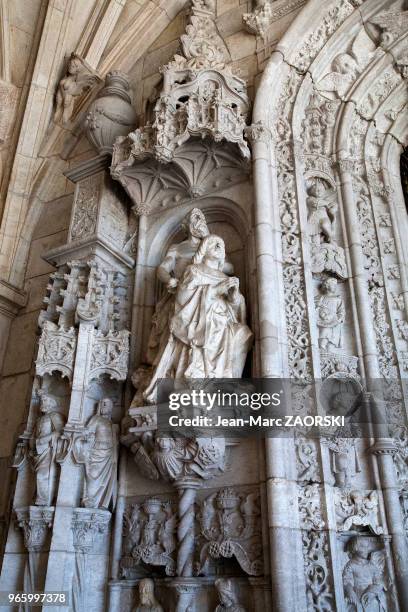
(36, 524)
(358, 509)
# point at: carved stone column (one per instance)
(384, 447)
(280, 487)
(82, 359)
(87, 526)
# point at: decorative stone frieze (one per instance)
(110, 355)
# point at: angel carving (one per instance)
(173, 458)
(346, 67)
(363, 577)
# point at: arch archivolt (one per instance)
(335, 100)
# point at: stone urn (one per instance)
(111, 114)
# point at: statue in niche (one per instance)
(43, 449)
(330, 315)
(78, 79)
(322, 206)
(345, 460)
(227, 596)
(208, 336)
(99, 454)
(170, 272)
(363, 577)
(147, 599)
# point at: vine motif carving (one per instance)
(293, 275)
(316, 40)
(85, 215)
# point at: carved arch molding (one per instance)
(334, 98)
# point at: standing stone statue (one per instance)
(208, 336)
(170, 271)
(227, 596)
(363, 577)
(148, 602)
(322, 207)
(43, 449)
(326, 254)
(101, 458)
(330, 315)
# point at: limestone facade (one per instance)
(149, 150)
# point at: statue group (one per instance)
(96, 449)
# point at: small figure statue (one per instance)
(148, 602)
(43, 449)
(330, 315)
(227, 596)
(322, 205)
(363, 577)
(77, 80)
(345, 460)
(327, 256)
(101, 458)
